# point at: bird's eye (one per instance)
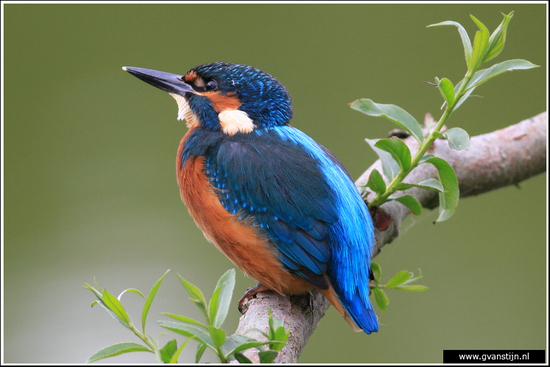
(211, 85)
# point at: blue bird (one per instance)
(279, 205)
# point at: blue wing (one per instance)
(278, 186)
(300, 194)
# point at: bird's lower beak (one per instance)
(167, 82)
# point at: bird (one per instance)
(278, 204)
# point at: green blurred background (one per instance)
(90, 188)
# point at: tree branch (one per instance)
(494, 160)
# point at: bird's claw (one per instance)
(251, 292)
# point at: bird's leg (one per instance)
(250, 292)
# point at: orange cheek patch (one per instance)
(221, 102)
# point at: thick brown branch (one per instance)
(501, 158)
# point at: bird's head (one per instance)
(224, 97)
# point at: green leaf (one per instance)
(399, 151)
(483, 75)
(101, 302)
(189, 331)
(448, 201)
(467, 45)
(96, 284)
(149, 301)
(274, 323)
(413, 288)
(267, 356)
(200, 351)
(389, 166)
(238, 339)
(376, 182)
(168, 351)
(447, 91)
(221, 298)
(498, 38)
(402, 186)
(376, 271)
(184, 319)
(457, 138)
(253, 344)
(409, 201)
(392, 112)
(429, 184)
(398, 279)
(234, 341)
(479, 49)
(213, 305)
(241, 358)
(117, 349)
(196, 295)
(113, 315)
(114, 305)
(217, 335)
(237, 343)
(176, 355)
(414, 279)
(281, 335)
(132, 290)
(277, 332)
(425, 157)
(97, 293)
(380, 298)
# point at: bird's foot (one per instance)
(251, 292)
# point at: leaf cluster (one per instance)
(396, 157)
(208, 333)
(400, 281)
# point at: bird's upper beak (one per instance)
(167, 82)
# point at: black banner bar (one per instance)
(494, 356)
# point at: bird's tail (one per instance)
(362, 314)
(357, 313)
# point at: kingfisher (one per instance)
(278, 204)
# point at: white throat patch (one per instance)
(184, 111)
(231, 121)
(234, 121)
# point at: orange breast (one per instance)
(245, 245)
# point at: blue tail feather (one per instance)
(362, 315)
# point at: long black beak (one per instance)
(167, 82)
